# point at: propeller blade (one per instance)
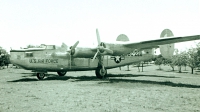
(98, 37)
(64, 45)
(95, 56)
(75, 45)
(70, 61)
(72, 48)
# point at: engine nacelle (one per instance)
(167, 50)
(63, 55)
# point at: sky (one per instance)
(35, 22)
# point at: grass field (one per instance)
(122, 91)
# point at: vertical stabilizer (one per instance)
(167, 50)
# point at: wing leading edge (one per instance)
(161, 41)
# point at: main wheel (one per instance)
(100, 73)
(40, 76)
(61, 73)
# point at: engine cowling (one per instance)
(63, 55)
(167, 50)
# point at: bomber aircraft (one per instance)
(104, 56)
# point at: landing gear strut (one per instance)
(101, 51)
(100, 72)
(40, 76)
(61, 73)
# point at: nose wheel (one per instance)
(100, 72)
(40, 76)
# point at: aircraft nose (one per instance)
(12, 61)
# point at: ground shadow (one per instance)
(159, 69)
(27, 73)
(64, 78)
(24, 80)
(140, 75)
(145, 65)
(80, 78)
(165, 83)
(111, 79)
(170, 70)
(176, 71)
(50, 77)
(196, 70)
(182, 72)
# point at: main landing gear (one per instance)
(101, 51)
(61, 73)
(100, 72)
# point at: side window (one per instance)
(50, 47)
(28, 54)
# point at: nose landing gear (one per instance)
(40, 76)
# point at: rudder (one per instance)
(167, 50)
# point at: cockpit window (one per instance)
(28, 54)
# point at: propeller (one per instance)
(72, 51)
(72, 48)
(100, 47)
(98, 37)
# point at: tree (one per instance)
(170, 62)
(159, 61)
(180, 60)
(4, 57)
(184, 57)
(7, 60)
(193, 58)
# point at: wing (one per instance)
(124, 48)
(161, 41)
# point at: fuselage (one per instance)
(42, 60)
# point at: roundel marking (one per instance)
(117, 59)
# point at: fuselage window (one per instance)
(29, 54)
(50, 47)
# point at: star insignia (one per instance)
(117, 59)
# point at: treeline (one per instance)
(190, 57)
(4, 57)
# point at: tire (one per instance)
(61, 73)
(40, 76)
(99, 73)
